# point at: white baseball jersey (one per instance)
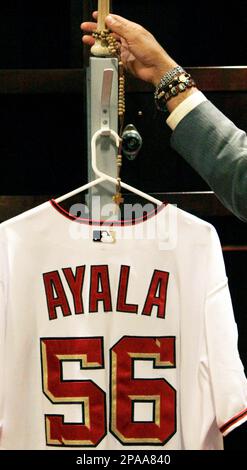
(116, 337)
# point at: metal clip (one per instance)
(106, 101)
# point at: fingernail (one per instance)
(110, 19)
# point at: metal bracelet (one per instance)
(168, 77)
(177, 85)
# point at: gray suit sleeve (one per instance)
(217, 150)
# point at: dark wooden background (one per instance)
(43, 143)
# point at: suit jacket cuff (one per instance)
(184, 108)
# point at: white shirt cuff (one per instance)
(184, 108)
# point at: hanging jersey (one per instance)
(116, 336)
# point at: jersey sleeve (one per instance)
(2, 327)
(229, 384)
(1, 354)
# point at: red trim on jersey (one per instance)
(234, 420)
(105, 222)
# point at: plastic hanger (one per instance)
(103, 176)
(106, 131)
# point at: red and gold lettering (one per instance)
(89, 352)
(157, 294)
(122, 306)
(126, 390)
(100, 289)
(55, 295)
(75, 283)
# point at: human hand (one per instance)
(141, 54)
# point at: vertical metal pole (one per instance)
(106, 151)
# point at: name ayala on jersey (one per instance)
(101, 297)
